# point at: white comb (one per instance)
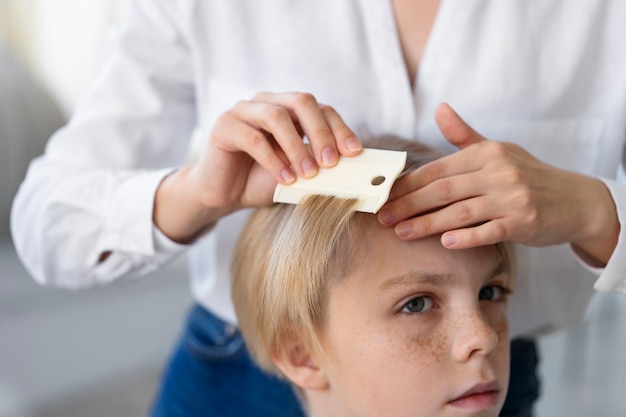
(367, 177)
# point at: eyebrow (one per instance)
(439, 280)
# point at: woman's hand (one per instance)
(494, 191)
(252, 147)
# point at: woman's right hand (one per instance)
(252, 147)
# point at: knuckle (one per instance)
(260, 96)
(225, 117)
(464, 213)
(494, 149)
(426, 225)
(403, 206)
(434, 171)
(525, 200)
(304, 99)
(533, 216)
(529, 215)
(402, 187)
(473, 238)
(327, 110)
(270, 160)
(515, 176)
(344, 133)
(322, 132)
(276, 115)
(255, 139)
(500, 231)
(239, 104)
(444, 190)
(292, 150)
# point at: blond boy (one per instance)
(364, 324)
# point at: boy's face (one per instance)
(417, 330)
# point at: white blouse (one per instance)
(549, 75)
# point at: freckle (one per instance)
(431, 349)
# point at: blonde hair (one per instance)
(279, 272)
(286, 257)
(283, 260)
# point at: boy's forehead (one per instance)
(435, 278)
(379, 249)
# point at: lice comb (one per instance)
(367, 177)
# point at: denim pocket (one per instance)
(209, 337)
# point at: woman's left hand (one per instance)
(496, 191)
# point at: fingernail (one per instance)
(449, 240)
(287, 176)
(329, 157)
(309, 167)
(404, 230)
(386, 216)
(353, 144)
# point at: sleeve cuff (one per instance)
(129, 227)
(163, 244)
(613, 276)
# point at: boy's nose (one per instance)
(475, 336)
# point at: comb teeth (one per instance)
(367, 177)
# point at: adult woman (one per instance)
(547, 76)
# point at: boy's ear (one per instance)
(299, 366)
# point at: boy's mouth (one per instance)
(481, 396)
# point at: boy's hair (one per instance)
(280, 270)
(286, 257)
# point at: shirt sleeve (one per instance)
(92, 191)
(613, 275)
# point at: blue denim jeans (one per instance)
(211, 374)
(524, 385)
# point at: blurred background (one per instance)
(89, 353)
(100, 353)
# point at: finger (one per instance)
(463, 162)
(325, 129)
(305, 110)
(488, 233)
(277, 121)
(347, 142)
(279, 151)
(233, 135)
(438, 194)
(458, 215)
(315, 127)
(454, 129)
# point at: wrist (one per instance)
(599, 230)
(179, 210)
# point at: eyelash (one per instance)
(428, 302)
(504, 293)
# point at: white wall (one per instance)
(61, 41)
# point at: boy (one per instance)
(364, 324)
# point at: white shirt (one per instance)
(548, 75)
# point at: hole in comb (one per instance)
(378, 180)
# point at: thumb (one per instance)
(454, 129)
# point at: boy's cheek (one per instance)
(496, 314)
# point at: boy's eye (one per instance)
(493, 293)
(418, 305)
